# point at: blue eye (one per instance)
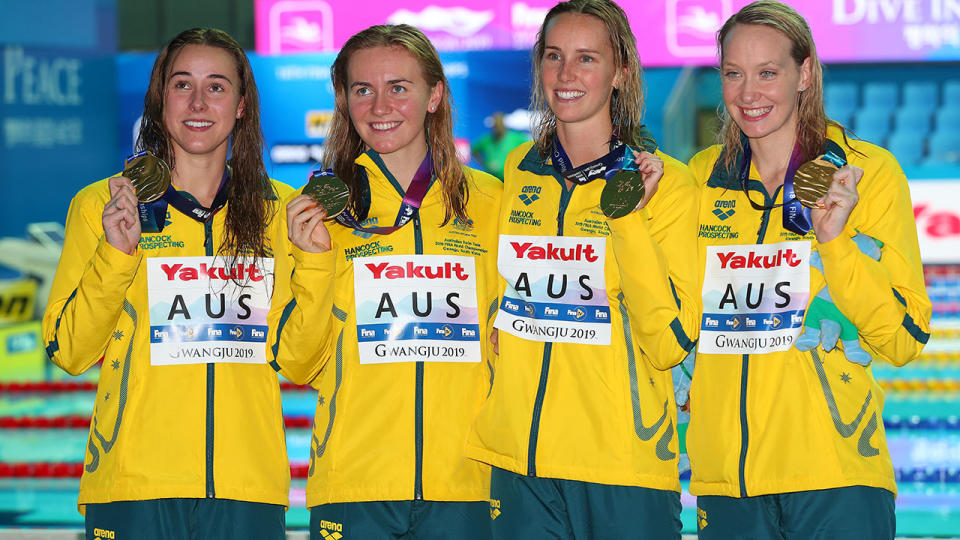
(399, 89)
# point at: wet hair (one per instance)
(626, 105)
(249, 186)
(812, 118)
(344, 144)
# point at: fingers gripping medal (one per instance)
(812, 179)
(149, 175)
(328, 191)
(623, 191)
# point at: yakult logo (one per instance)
(527, 250)
(238, 272)
(411, 270)
(752, 260)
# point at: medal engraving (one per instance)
(150, 176)
(812, 181)
(329, 192)
(622, 194)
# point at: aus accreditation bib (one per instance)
(556, 289)
(754, 297)
(205, 310)
(416, 308)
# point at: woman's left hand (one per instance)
(836, 206)
(651, 169)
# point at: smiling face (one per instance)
(578, 71)
(202, 100)
(762, 82)
(388, 99)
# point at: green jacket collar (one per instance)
(533, 163)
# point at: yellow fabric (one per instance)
(153, 419)
(607, 414)
(364, 435)
(793, 439)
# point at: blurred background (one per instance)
(74, 73)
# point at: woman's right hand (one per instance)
(121, 224)
(305, 226)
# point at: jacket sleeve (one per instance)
(300, 321)
(656, 253)
(88, 290)
(886, 300)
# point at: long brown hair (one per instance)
(626, 106)
(249, 186)
(344, 144)
(812, 118)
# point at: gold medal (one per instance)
(622, 194)
(150, 176)
(812, 181)
(329, 192)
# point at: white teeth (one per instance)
(197, 124)
(569, 94)
(754, 113)
(383, 126)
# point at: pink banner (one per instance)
(669, 33)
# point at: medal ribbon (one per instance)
(412, 200)
(796, 217)
(153, 215)
(605, 167)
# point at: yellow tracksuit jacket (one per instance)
(796, 421)
(598, 413)
(390, 431)
(160, 431)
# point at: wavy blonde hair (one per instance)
(812, 120)
(344, 144)
(626, 106)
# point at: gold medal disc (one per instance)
(329, 192)
(150, 176)
(622, 194)
(812, 181)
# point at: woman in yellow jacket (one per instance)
(786, 437)
(580, 425)
(389, 306)
(186, 439)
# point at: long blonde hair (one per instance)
(626, 106)
(344, 144)
(812, 118)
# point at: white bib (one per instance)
(556, 289)
(199, 314)
(416, 308)
(754, 297)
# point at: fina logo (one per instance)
(580, 313)
(447, 331)
(530, 310)
(456, 21)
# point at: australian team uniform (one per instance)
(580, 425)
(780, 438)
(393, 330)
(187, 421)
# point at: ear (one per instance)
(240, 109)
(619, 77)
(436, 94)
(806, 75)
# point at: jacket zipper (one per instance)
(211, 492)
(418, 400)
(547, 350)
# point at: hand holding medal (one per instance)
(121, 224)
(632, 186)
(324, 197)
(833, 209)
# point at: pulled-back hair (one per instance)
(626, 106)
(812, 119)
(249, 186)
(344, 144)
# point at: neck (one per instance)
(771, 156)
(403, 163)
(199, 175)
(587, 140)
